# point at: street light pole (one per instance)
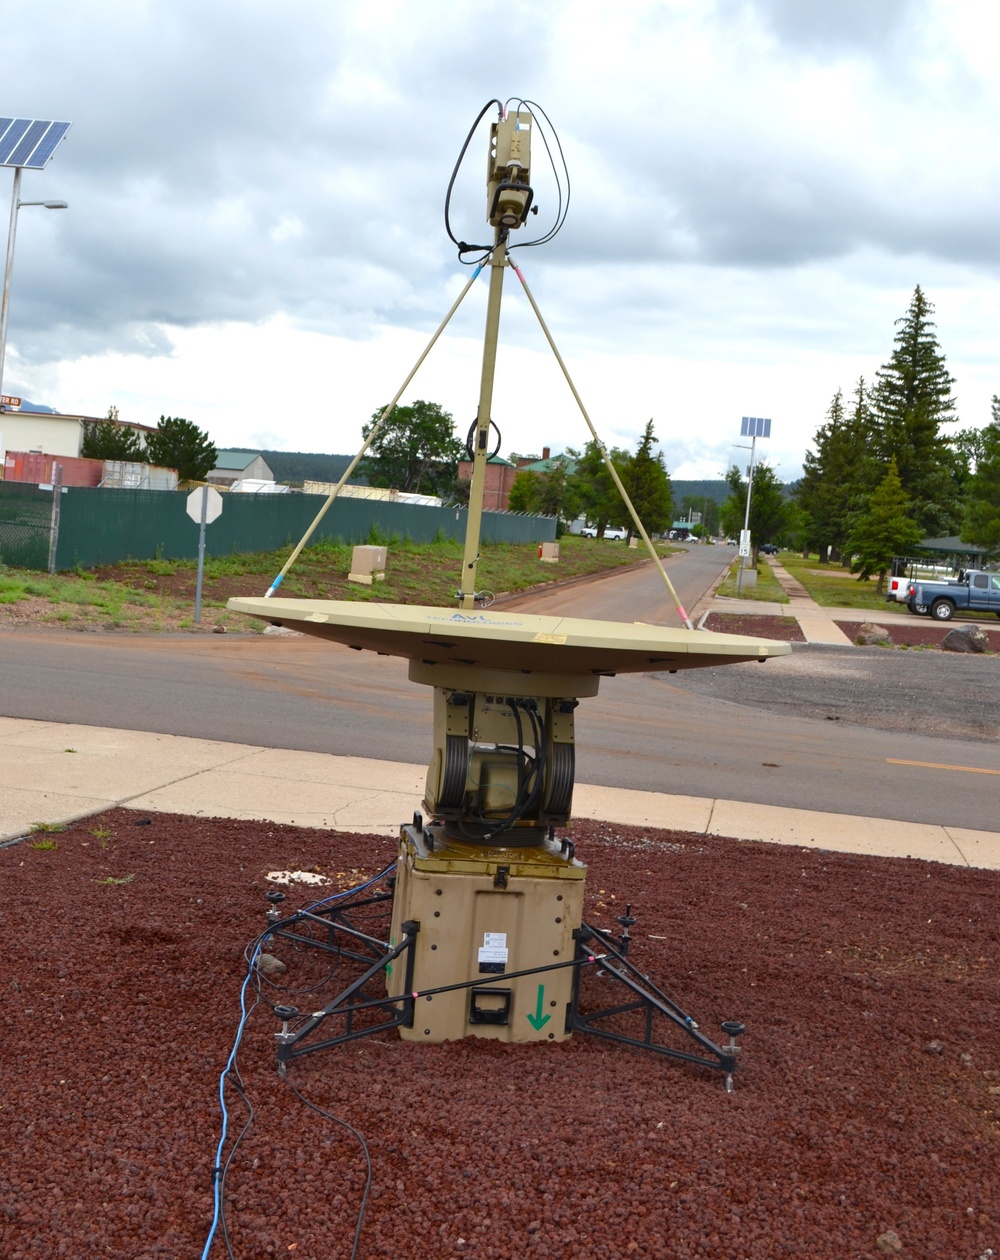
(15, 205)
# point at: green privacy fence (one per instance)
(106, 526)
(25, 526)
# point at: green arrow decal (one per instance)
(538, 1020)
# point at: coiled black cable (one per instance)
(560, 173)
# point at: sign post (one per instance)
(752, 427)
(203, 506)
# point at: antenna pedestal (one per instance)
(494, 926)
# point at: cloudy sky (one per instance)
(255, 238)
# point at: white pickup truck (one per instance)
(905, 571)
(615, 532)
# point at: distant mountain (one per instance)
(38, 407)
(681, 490)
(717, 490)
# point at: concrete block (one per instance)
(367, 565)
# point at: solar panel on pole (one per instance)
(25, 143)
(29, 142)
(755, 426)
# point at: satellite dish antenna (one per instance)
(487, 909)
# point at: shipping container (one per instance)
(36, 468)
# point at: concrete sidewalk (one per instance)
(55, 773)
(815, 622)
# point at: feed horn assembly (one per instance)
(485, 934)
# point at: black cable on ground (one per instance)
(364, 1147)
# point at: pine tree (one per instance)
(648, 486)
(882, 530)
(839, 471)
(179, 443)
(110, 439)
(912, 400)
(981, 526)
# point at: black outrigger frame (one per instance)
(594, 948)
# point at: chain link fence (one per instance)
(25, 526)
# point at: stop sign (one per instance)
(212, 504)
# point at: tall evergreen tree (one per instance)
(912, 400)
(981, 525)
(648, 486)
(179, 443)
(839, 470)
(882, 530)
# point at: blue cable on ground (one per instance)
(244, 1016)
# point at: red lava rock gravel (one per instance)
(921, 633)
(865, 1119)
(756, 625)
(918, 633)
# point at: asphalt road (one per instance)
(652, 732)
(638, 594)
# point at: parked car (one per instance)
(610, 531)
(768, 549)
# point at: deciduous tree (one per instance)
(981, 526)
(544, 493)
(416, 450)
(768, 505)
(596, 494)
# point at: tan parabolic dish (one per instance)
(508, 640)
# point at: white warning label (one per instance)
(493, 948)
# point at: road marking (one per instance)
(936, 765)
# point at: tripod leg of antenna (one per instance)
(612, 471)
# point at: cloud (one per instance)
(757, 185)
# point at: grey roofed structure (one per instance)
(953, 546)
(233, 466)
